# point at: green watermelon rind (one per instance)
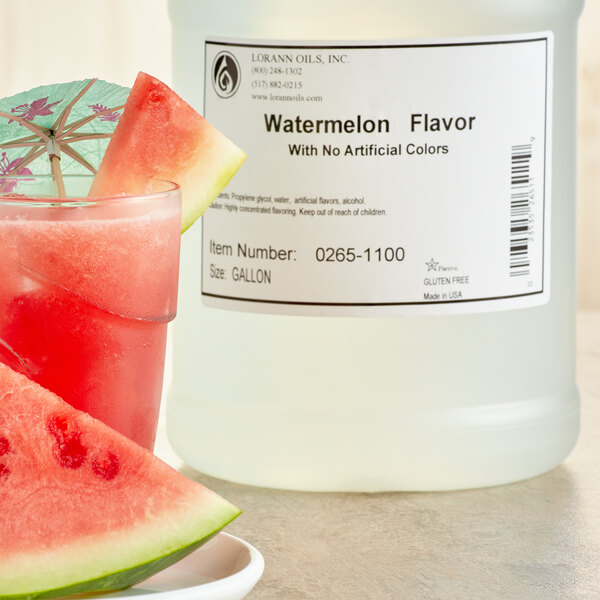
(225, 161)
(122, 579)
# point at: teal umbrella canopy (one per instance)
(58, 129)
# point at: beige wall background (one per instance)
(588, 234)
(48, 42)
(62, 40)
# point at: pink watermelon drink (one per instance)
(87, 288)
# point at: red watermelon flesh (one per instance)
(84, 508)
(160, 136)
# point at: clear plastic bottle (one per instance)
(367, 403)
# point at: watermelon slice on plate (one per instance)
(83, 508)
(160, 136)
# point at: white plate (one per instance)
(225, 568)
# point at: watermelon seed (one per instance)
(4, 446)
(69, 452)
(57, 425)
(108, 467)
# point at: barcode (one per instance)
(520, 209)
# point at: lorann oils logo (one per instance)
(226, 74)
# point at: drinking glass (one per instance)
(87, 288)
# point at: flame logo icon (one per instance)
(226, 74)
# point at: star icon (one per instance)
(432, 265)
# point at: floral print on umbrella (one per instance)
(100, 108)
(39, 107)
(8, 166)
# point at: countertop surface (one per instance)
(537, 539)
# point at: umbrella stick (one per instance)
(57, 175)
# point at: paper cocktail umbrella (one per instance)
(62, 128)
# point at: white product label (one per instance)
(382, 179)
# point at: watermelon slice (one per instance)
(161, 136)
(84, 508)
